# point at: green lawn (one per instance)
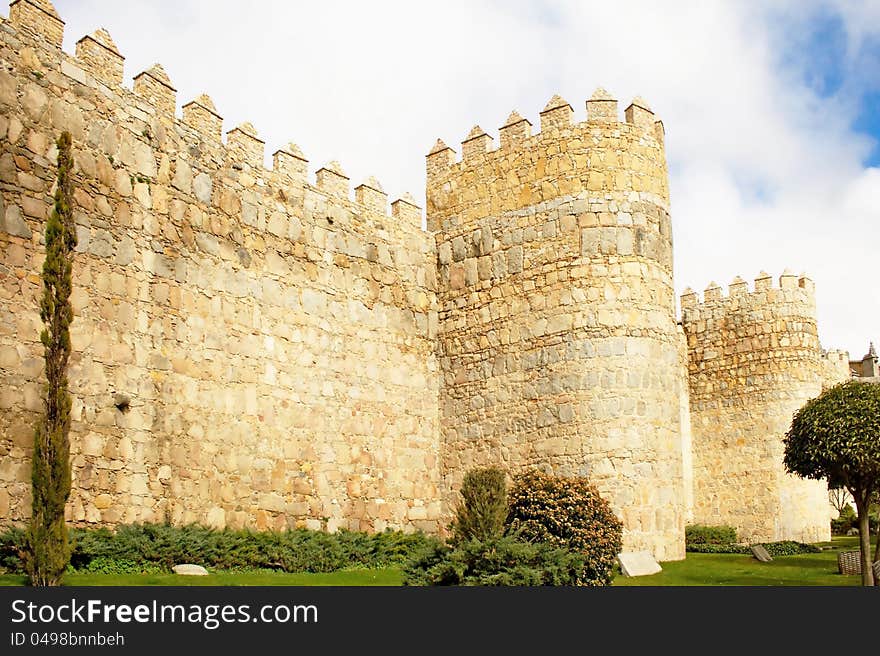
(345, 577)
(735, 569)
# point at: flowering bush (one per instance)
(568, 513)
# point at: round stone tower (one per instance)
(558, 340)
(754, 359)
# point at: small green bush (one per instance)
(496, 562)
(846, 520)
(482, 509)
(701, 534)
(841, 526)
(12, 544)
(567, 513)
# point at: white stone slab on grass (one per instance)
(638, 563)
(189, 570)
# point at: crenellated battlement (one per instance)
(835, 367)
(740, 330)
(600, 154)
(557, 115)
(98, 58)
(836, 356)
(201, 115)
(39, 18)
(154, 86)
(737, 335)
(101, 56)
(791, 288)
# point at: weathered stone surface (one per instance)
(760, 552)
(202, 188)
(8, 84)
(183, 177)
(275, 348)
(638, 563)
(12, 222)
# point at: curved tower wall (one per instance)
(558, 342)
(754, 360)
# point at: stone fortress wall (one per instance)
(558, 340)
(252, 348)
(273, 340)
(754, 359)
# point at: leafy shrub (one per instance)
(789, 548)
(848, 513)
(701, 534)
(495, 562)
(781, 548)
(722, 539)
(147, 546)
(842, 526)
(567, 513)
(12, 544)
(482, 510)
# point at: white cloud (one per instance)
(765, 174)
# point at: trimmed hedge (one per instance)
(781, 548)
(557, 531)
(707, 547)
(702, 534)
(158, 547)
(789, 548)
(722, 539)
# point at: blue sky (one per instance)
(834, 64)
(772, 110)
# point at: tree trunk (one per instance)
(862, 506)
(877, 549)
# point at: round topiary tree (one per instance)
(836, 437)
(569, 513)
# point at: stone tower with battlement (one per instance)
(754, 359)
(558, 344)
(259, 347)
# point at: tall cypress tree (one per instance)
(48, 548)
